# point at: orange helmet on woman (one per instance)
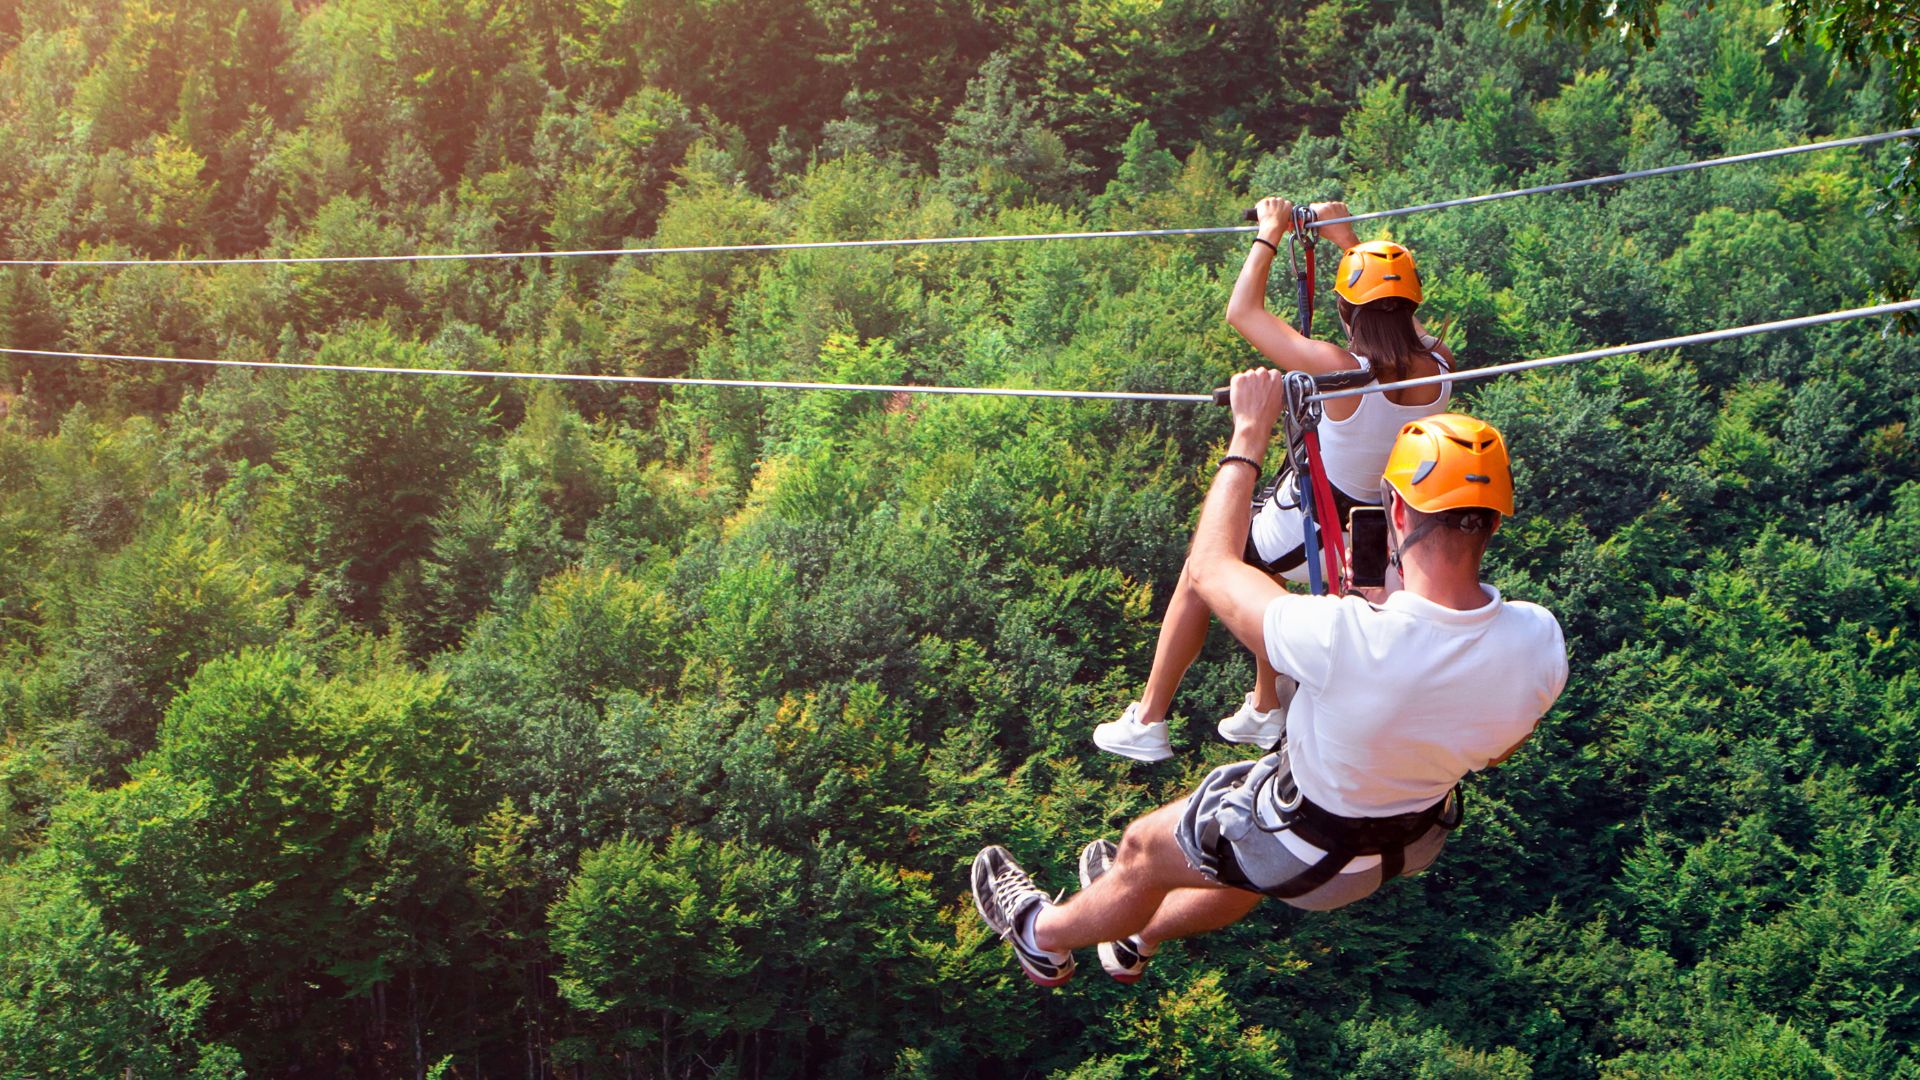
(1376, 270)
(1450, 461)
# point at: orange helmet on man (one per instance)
(1377, 270)
(1451, 461)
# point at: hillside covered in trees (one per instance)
(403, 726)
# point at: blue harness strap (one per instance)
(1301, 420)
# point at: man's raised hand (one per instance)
(1258, 397)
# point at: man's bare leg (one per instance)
(1186, 912)
(1125, 899)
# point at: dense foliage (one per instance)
(378, 725)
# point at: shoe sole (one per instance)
(1265, 742)
(1136, 755)
(1038, 979)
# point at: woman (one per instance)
(1377, 290)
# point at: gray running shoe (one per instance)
(1002, 892)
(1122, 959)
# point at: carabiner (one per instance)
(1302, 263)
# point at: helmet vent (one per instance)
(1425, 469)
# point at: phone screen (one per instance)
(1368, 525)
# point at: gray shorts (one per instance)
(1225, 836)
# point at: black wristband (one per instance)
(1243, 459)
(1269, 243)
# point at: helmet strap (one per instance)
(1435, 520)
(1418, 533)
(1398, 545)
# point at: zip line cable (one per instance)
(1637, 174)
(647, 380)
(716, 249)
(1469, 375)
(1682, 341)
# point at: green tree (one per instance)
(1588, 124)
(271, 848)
(1736, 91)
(662, 952)
(1380, 132)
(369, 460)
(996, 151)
(174, 598)
(75, 996)
(327, 295)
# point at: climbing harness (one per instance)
(1319, 508)
(1279, 806)
(1301, 424)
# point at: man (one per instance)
(1396, 703)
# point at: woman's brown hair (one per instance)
(1383, 333)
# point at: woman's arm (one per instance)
(1432, 342)
(1247, 306)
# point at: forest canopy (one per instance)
(392, 725)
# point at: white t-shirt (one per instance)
(1398, 701)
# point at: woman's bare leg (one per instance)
(1265, 697)
(1183, 633)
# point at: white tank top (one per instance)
(1355, 450)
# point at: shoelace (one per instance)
(1009, 886)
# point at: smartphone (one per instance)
(1367, 525)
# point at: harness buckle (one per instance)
(1288, 798)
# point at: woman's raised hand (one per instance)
(1275, 215)
(1341, 234)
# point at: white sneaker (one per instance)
(1253, 727)
(1130, 738)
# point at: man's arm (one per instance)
(1238, 593)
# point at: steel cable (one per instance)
(1468, 375)
(935, 241)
